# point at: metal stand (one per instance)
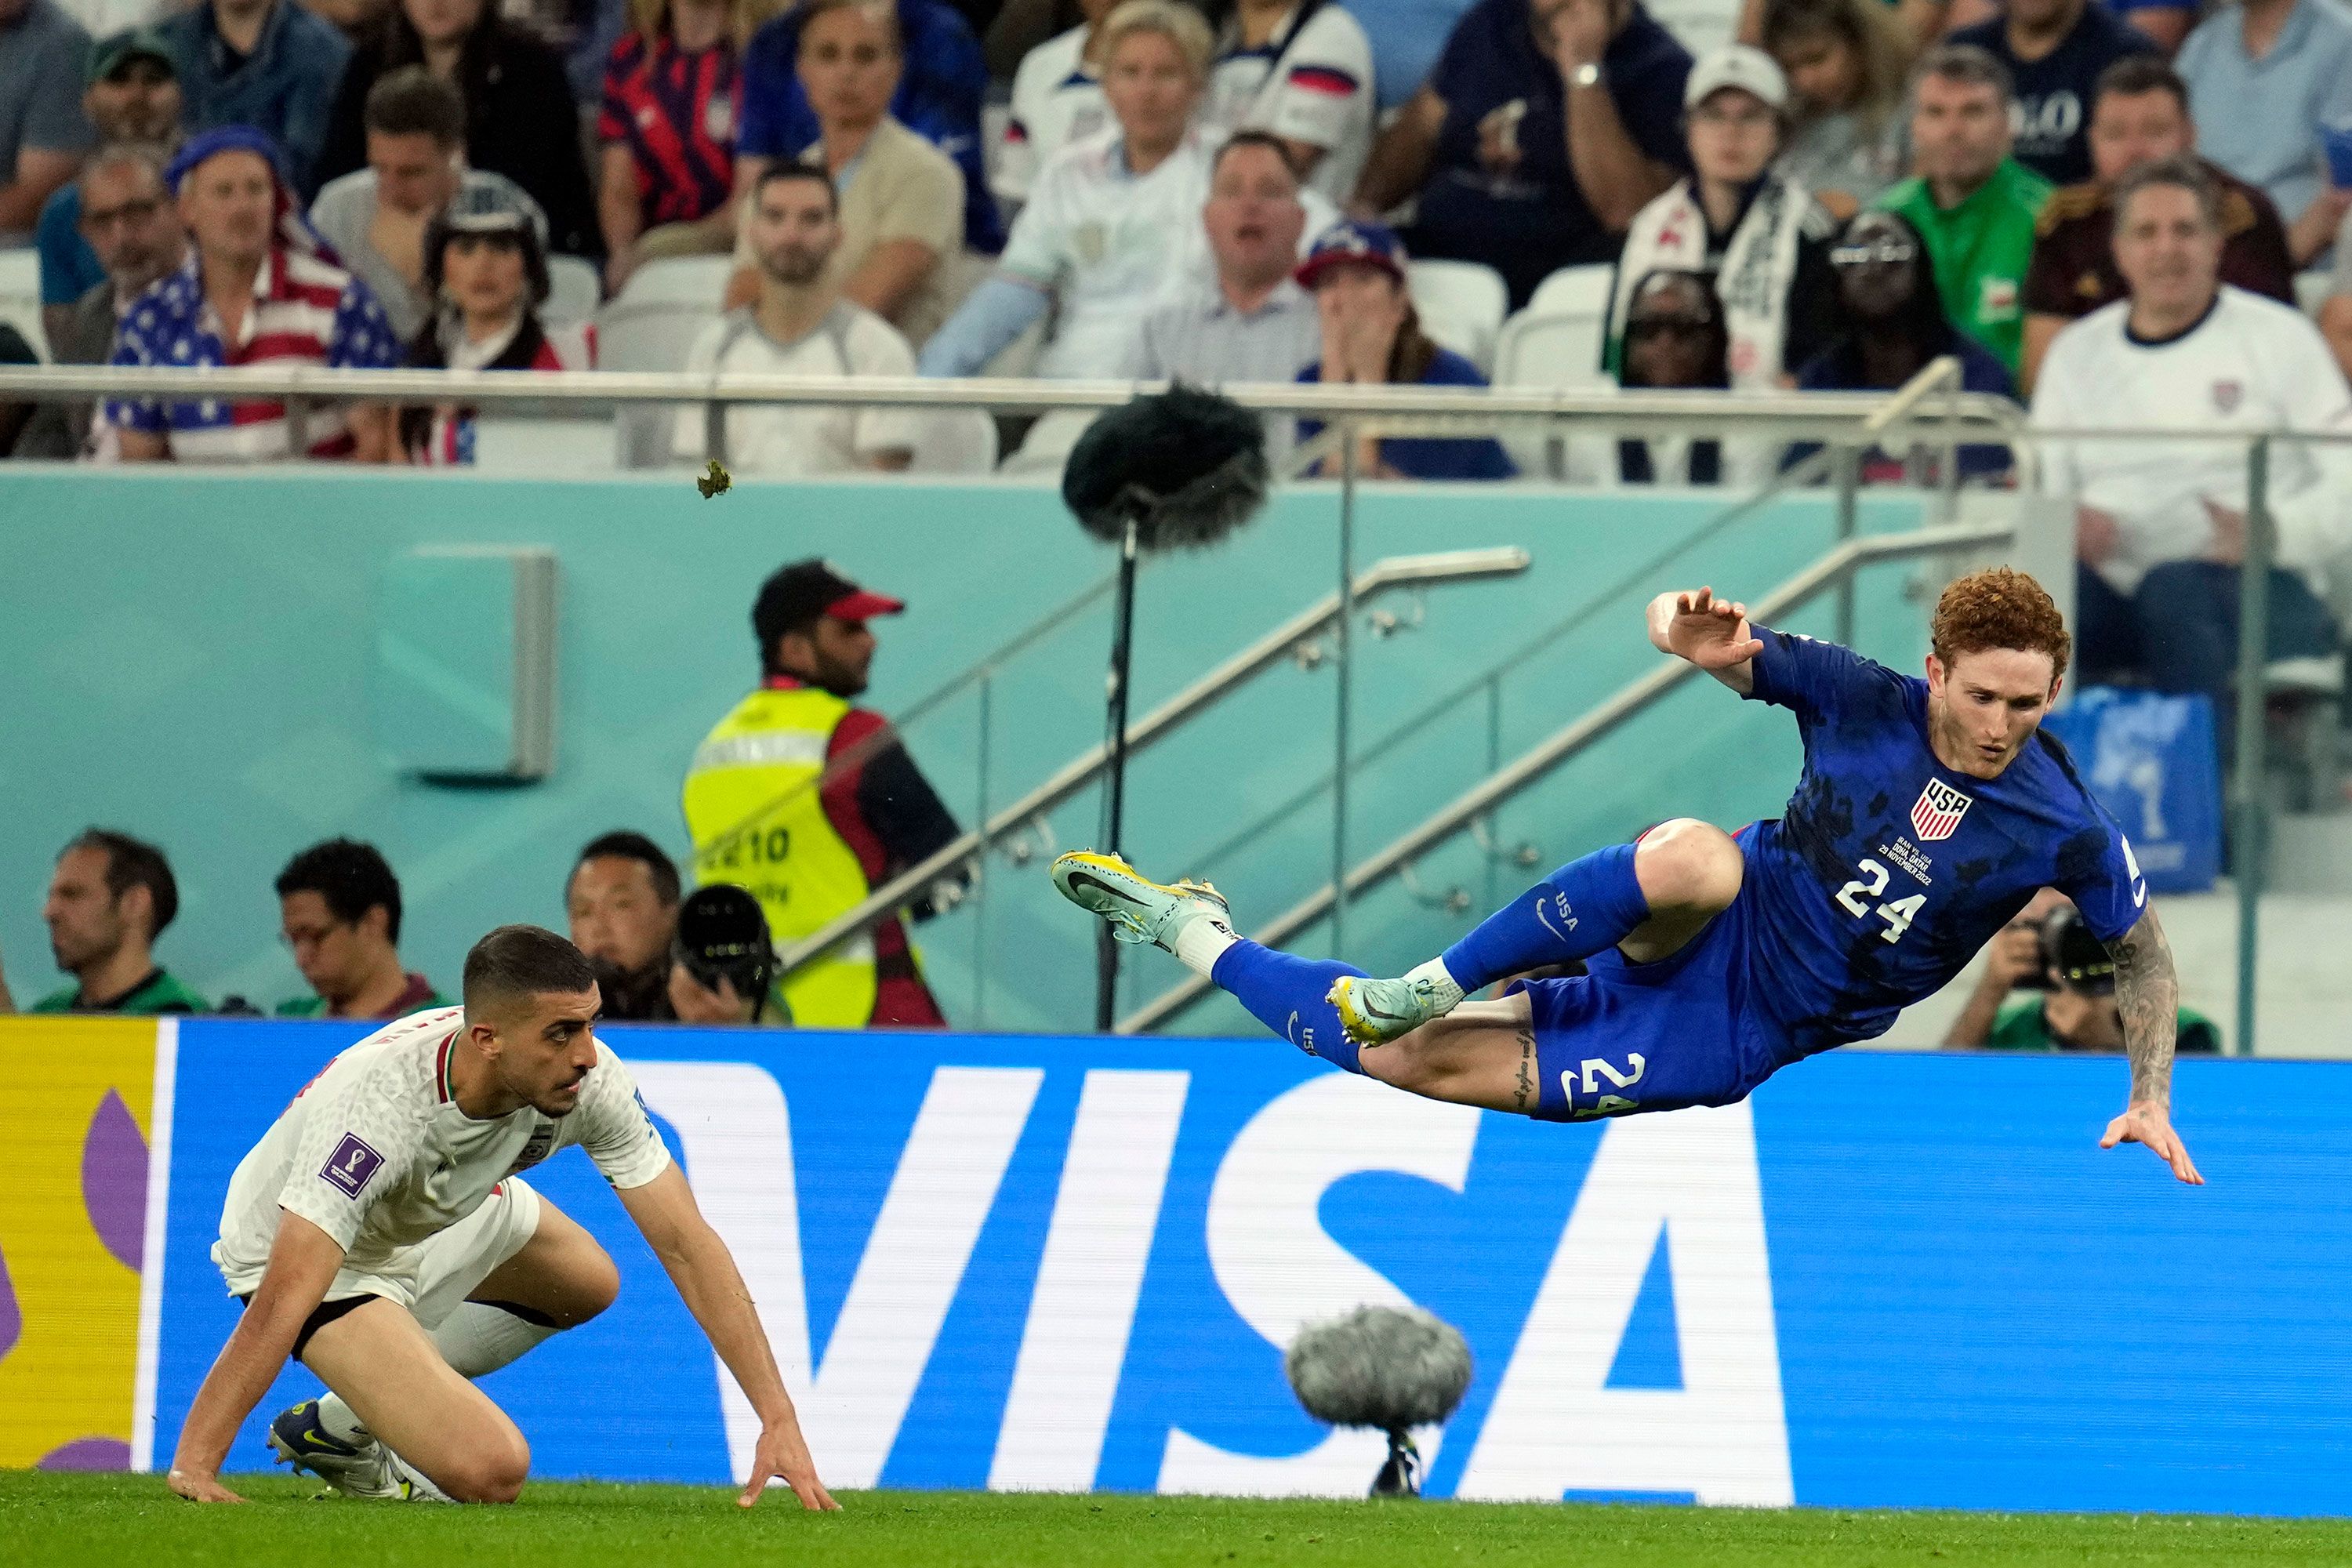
(2249, 822)
(1122, 639)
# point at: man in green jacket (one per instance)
(339, 910)
(1973, 204)
(110, 897)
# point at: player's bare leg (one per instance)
(560, 1274)
(1482, 1054)
(381, 1361)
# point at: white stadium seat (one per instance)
(2311, 288)
(574, 291)
(515, 444)
(679, 280)
(1552, 350)
(633, 336)
(20, 296)
(1461, 305)
(1572, 290)
(958, 441)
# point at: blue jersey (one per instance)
(1889, 870)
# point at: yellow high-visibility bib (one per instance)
(757, 818)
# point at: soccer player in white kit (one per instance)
(381, 1234)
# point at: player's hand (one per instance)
(198, 1488)
(2146, 1122)
(781, 1453)
(1711, 633)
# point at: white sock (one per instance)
(1443, 988)
(336, 1420)
(478, 1338)
(1200, 942)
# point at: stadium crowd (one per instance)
(1845, 192)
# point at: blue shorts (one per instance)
(1629, 1037)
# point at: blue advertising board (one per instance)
(1891, 1279)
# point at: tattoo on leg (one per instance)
(1525, 1094)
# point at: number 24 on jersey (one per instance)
(1898, 914)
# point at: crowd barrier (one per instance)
(1892, 1279)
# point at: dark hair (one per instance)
(2181, 171)
(1265, 139)
(1922, 321)
(2136, 74)
(1719, 346)
(787, 169)
(132, 863)
(410, 100)
(625, 843)
(352, 879)
(1969, 63)
(520, 961)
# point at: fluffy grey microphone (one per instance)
(1186, 466)
(1387, 1369)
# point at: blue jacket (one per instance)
(283, 89)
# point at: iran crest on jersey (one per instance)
(1938, 811)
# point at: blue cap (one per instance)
(1363, 244)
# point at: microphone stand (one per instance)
(1123, 648)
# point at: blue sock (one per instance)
(1286, 993)
(1586, 907)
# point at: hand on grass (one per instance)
(198, 1488)
(781, 1453)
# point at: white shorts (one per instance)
(433, 1276)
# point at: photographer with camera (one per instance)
(2068, 983)
(657, 960)
(809, 803)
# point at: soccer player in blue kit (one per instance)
(1927, 814)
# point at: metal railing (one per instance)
(1836, 567)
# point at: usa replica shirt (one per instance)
(1888, 872)
(376, 1152)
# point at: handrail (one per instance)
(1382, 577)
(1624, 704)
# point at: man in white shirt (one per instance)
(2160, 527)
(800, 325)
(1057, 100)
(380, 1234)
(1301, 70)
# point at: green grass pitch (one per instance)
(130, 1521)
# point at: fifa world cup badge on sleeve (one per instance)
(353, 1165)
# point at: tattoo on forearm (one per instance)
(2147, 995)
(1525, 1095)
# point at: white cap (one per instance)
(1751, 70)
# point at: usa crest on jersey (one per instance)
(1936, 813)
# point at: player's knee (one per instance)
(599, 1286)
(492, 1471)
(1687, 864)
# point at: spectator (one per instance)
(800, 325)
(1894, 323)
(1251, 322)
(1057, 101)
(1675, 337)
(485, 264)
(1372, 337)
(942, 83)
(111, 897)
(356, 20)
(2160, 525)
(1113, 228)
(129, 217)
(376, 217)
(1303, 70)
(2263, 76)
(667, 133)
(1546, 126)
(2140, 113)
(2336, 311)
(521, 120)
(44, 134)
(339, 910)
(257, 290)
(1407, 38)
(2069, 980)
(131, 96)
(268, 64)
(901, 240)
(2054, 51)
(1764, 239)
(1848, 63)
(16, 418)
(623, 898)
(812, 803)
(1973, 204)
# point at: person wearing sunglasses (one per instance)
(1675, 337)
(1892, 325)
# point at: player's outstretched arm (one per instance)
(1711, 633)
(713, 1290)
(303, 1261)
(2147, 993)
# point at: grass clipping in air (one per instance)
(714, 481)
(63, 1521)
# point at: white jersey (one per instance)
(1057, 100)
(1315, 88)
(375, 1152)
(2252, 364)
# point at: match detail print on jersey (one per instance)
(1936, 813)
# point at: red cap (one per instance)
(860, 603)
